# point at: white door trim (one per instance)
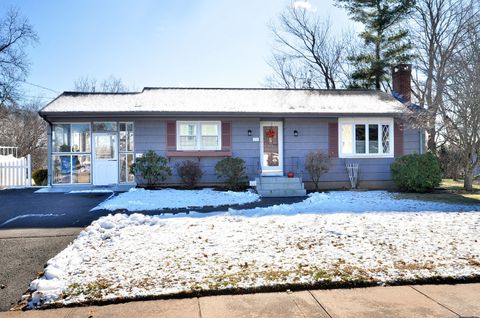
(272, 171)
(114, 165)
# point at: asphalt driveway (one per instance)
(23, 208)
(34, 227)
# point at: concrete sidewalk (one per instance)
(404, 301)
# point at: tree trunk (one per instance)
(431, 144)
(468, 181)
(377, 75)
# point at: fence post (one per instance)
(29, 171)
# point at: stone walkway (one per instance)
(424, 301)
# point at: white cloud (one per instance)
(305, 5)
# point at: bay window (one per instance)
(198, 135)
(365, 137)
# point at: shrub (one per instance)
(233, 171)
(417, 173)
(40, 176)
(316, 164)
(189, 171)
(152, 167)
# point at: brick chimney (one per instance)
(401, 77)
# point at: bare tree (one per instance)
(113, 85)
(109, 85)
(307, 53)
(288, 73)
(461, 110)
(85, 84)
(22, 127)
(317, 163)
(438, 31)
(16, 34)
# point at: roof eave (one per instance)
(214, 114)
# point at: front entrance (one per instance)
(105, 163)
(271, 148)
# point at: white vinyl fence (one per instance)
(15, 172)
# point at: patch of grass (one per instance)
(92, 290)
(322, 275)
(450, 191)
(474, 262)
(413, 266)
(457, 185)
(447, 197)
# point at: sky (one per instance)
(180, 43)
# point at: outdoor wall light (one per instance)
(295, 133)
(249, 132)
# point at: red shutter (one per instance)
(171, 135)
(226, 136)
(398, 138)
(333, 140)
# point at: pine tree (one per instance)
(386, 43)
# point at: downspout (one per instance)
(49, 149)
(422, 140)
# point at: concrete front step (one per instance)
(280, 187)
(282, 193)
(265, 180)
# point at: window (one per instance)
(198, 135)
(71, 153)
(373, 138)
(366, 137)
(71, 138)
(126, 137)
(126, 152)
(360, 138)
(105, 126)
(105, 146)
(61, 138)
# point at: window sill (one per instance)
(199, 153)
(365, 156)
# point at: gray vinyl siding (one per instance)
(243, 145)
(150, 134)
(313, 135)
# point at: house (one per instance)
(94, 137)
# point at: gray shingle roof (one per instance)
(226, 101)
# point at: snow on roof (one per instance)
(227, 100)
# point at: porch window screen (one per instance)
(126, 151)
(71, 153)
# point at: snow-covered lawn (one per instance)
(123, 256)
(358, 202)
(142, 200)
